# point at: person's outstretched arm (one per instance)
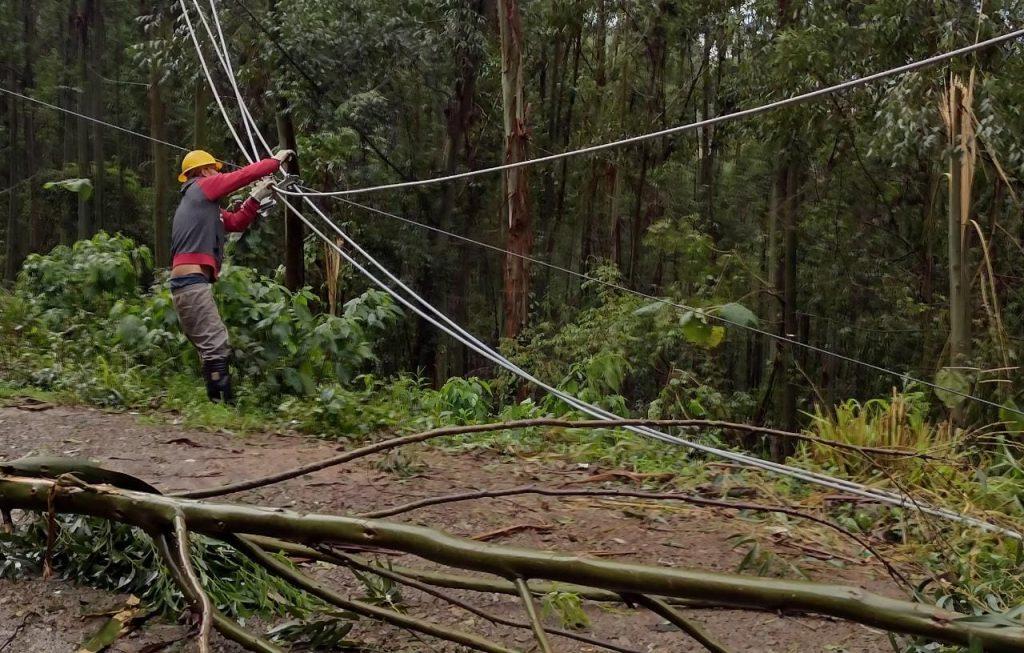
(219, 186)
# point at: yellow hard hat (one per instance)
(197, 159)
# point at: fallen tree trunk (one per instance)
(156, 514)
(478, 583)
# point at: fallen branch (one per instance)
(300, 580)
(119, 624)
(201, 601)
(222, 623)
(639, 494)
(17, 631)
(688, 626)
(531, 612)
(619, 474)
(476, 583)
(156, 513)
(340, 558)
(393, 443)
(510, 530)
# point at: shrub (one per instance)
(87, 277)
(80, 320)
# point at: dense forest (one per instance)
(829, 222)
(825, 298)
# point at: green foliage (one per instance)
(365, 406)
(83, 324)
(87, 277)
(80, 187)
(317, 634)
(121, 558)
(982, 576)
(379, 590)
(278, 338)
(624, 350)
(956, 380)
(463, 401)
(567, 607)
(900, 422)
(763, 562)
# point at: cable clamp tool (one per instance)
(288, 183)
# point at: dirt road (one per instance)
(51, 616)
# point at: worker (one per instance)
(197, 250)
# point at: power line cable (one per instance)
(91, 119)
(746, 113)
(811, 477)
(209, 77)
(456, 331)
(225, 61)
(718, 318)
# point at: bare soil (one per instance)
(50, 616)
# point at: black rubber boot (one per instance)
(218, 381)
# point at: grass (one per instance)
(183, 403)
(11, 394)
(899, 422)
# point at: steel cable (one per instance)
(446, 324)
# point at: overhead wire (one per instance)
(712, 316)
(708, 122)
(226, 62)
(90, 118)
(453, 329)
(469, 340)
(209, 76)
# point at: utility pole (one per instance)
(516, 203)
(294, 264)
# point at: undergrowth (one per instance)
(122, 559)
(85, 325)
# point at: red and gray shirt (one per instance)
(200, 226)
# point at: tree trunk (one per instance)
(161, 171)
(14, 235)
(294, 230)
(28, 17)
(515, 202)
(68, 49)
(157, 514)
(930, 189)
(789, 317)
(97, 54)
(85, 226)
(788, 193)
(959, 327)
(566, 134)
(460, 114)
(294, 263)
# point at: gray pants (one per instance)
(200, 320)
